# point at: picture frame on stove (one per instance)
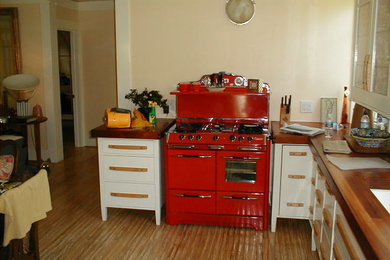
(253, 85)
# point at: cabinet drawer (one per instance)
(237, 203)
(298, 158)
(125, 195)
(124, 168)
(126, 146)
(328, 211)
(295, 196)
(346, 244)
(191, 201)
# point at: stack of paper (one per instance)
(336, 146)
(301, 129)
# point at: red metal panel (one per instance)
(191, 201)
(261, 169)
(222, 105)
(237, 203)
(191, 169)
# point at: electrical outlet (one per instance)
(306, 106)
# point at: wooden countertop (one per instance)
(368, 219)
(155, 132)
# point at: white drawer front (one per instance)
(126, 146)
(125, 195)
(296, 181)
(125, 168)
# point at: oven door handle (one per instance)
(192, 156)
(183, 146)
(239, 198)
(192, 196)
(242, 158)
(250, 148)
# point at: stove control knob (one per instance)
(241, 138)
(250, 138)
(215, 137)
(198, 137)
(232, 138)
(181, 137)
(190, 137)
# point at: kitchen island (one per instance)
(131, 167)
(368, 220)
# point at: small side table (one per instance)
(22, 125)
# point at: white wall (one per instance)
(300, 47)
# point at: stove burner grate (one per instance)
(188, 127)
(250, 129)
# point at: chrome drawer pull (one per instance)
(183, 146)
(296, 176)
(192, 156)
(128, 147)
(240, 198)
(242, 158)
(192, 196)
(129, 195)
(245, 148)
(216, 147)
(128, 169)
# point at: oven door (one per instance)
(191, 169)
(241, 171)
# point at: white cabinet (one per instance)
(371, 72)
(331, 234)
(291, 188)
(130, 174)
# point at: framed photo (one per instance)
(253, 85)
(328, 108)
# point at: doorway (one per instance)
(66, 90)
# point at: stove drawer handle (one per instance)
(183, 146)
(242, 158)
(216, 147)
(192, 196)
(240, 198)
(251, 148)
(192, 156)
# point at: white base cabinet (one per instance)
(130, 173)
(291, 187)
(331, 234)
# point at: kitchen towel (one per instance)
(351, 163)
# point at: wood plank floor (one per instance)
(74, 229)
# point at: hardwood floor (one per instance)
(74, 229)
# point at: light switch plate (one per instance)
(306, 106)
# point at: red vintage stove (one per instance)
(218, 158)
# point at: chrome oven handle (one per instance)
(239, 198)
(242, 158)
(216, 147)
(251, 148)
(192, 156)
(183, 146)
(192, 196)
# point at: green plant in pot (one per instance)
(141, 99)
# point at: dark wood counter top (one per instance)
(155, 132)
(280, 137)
(368, 219)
